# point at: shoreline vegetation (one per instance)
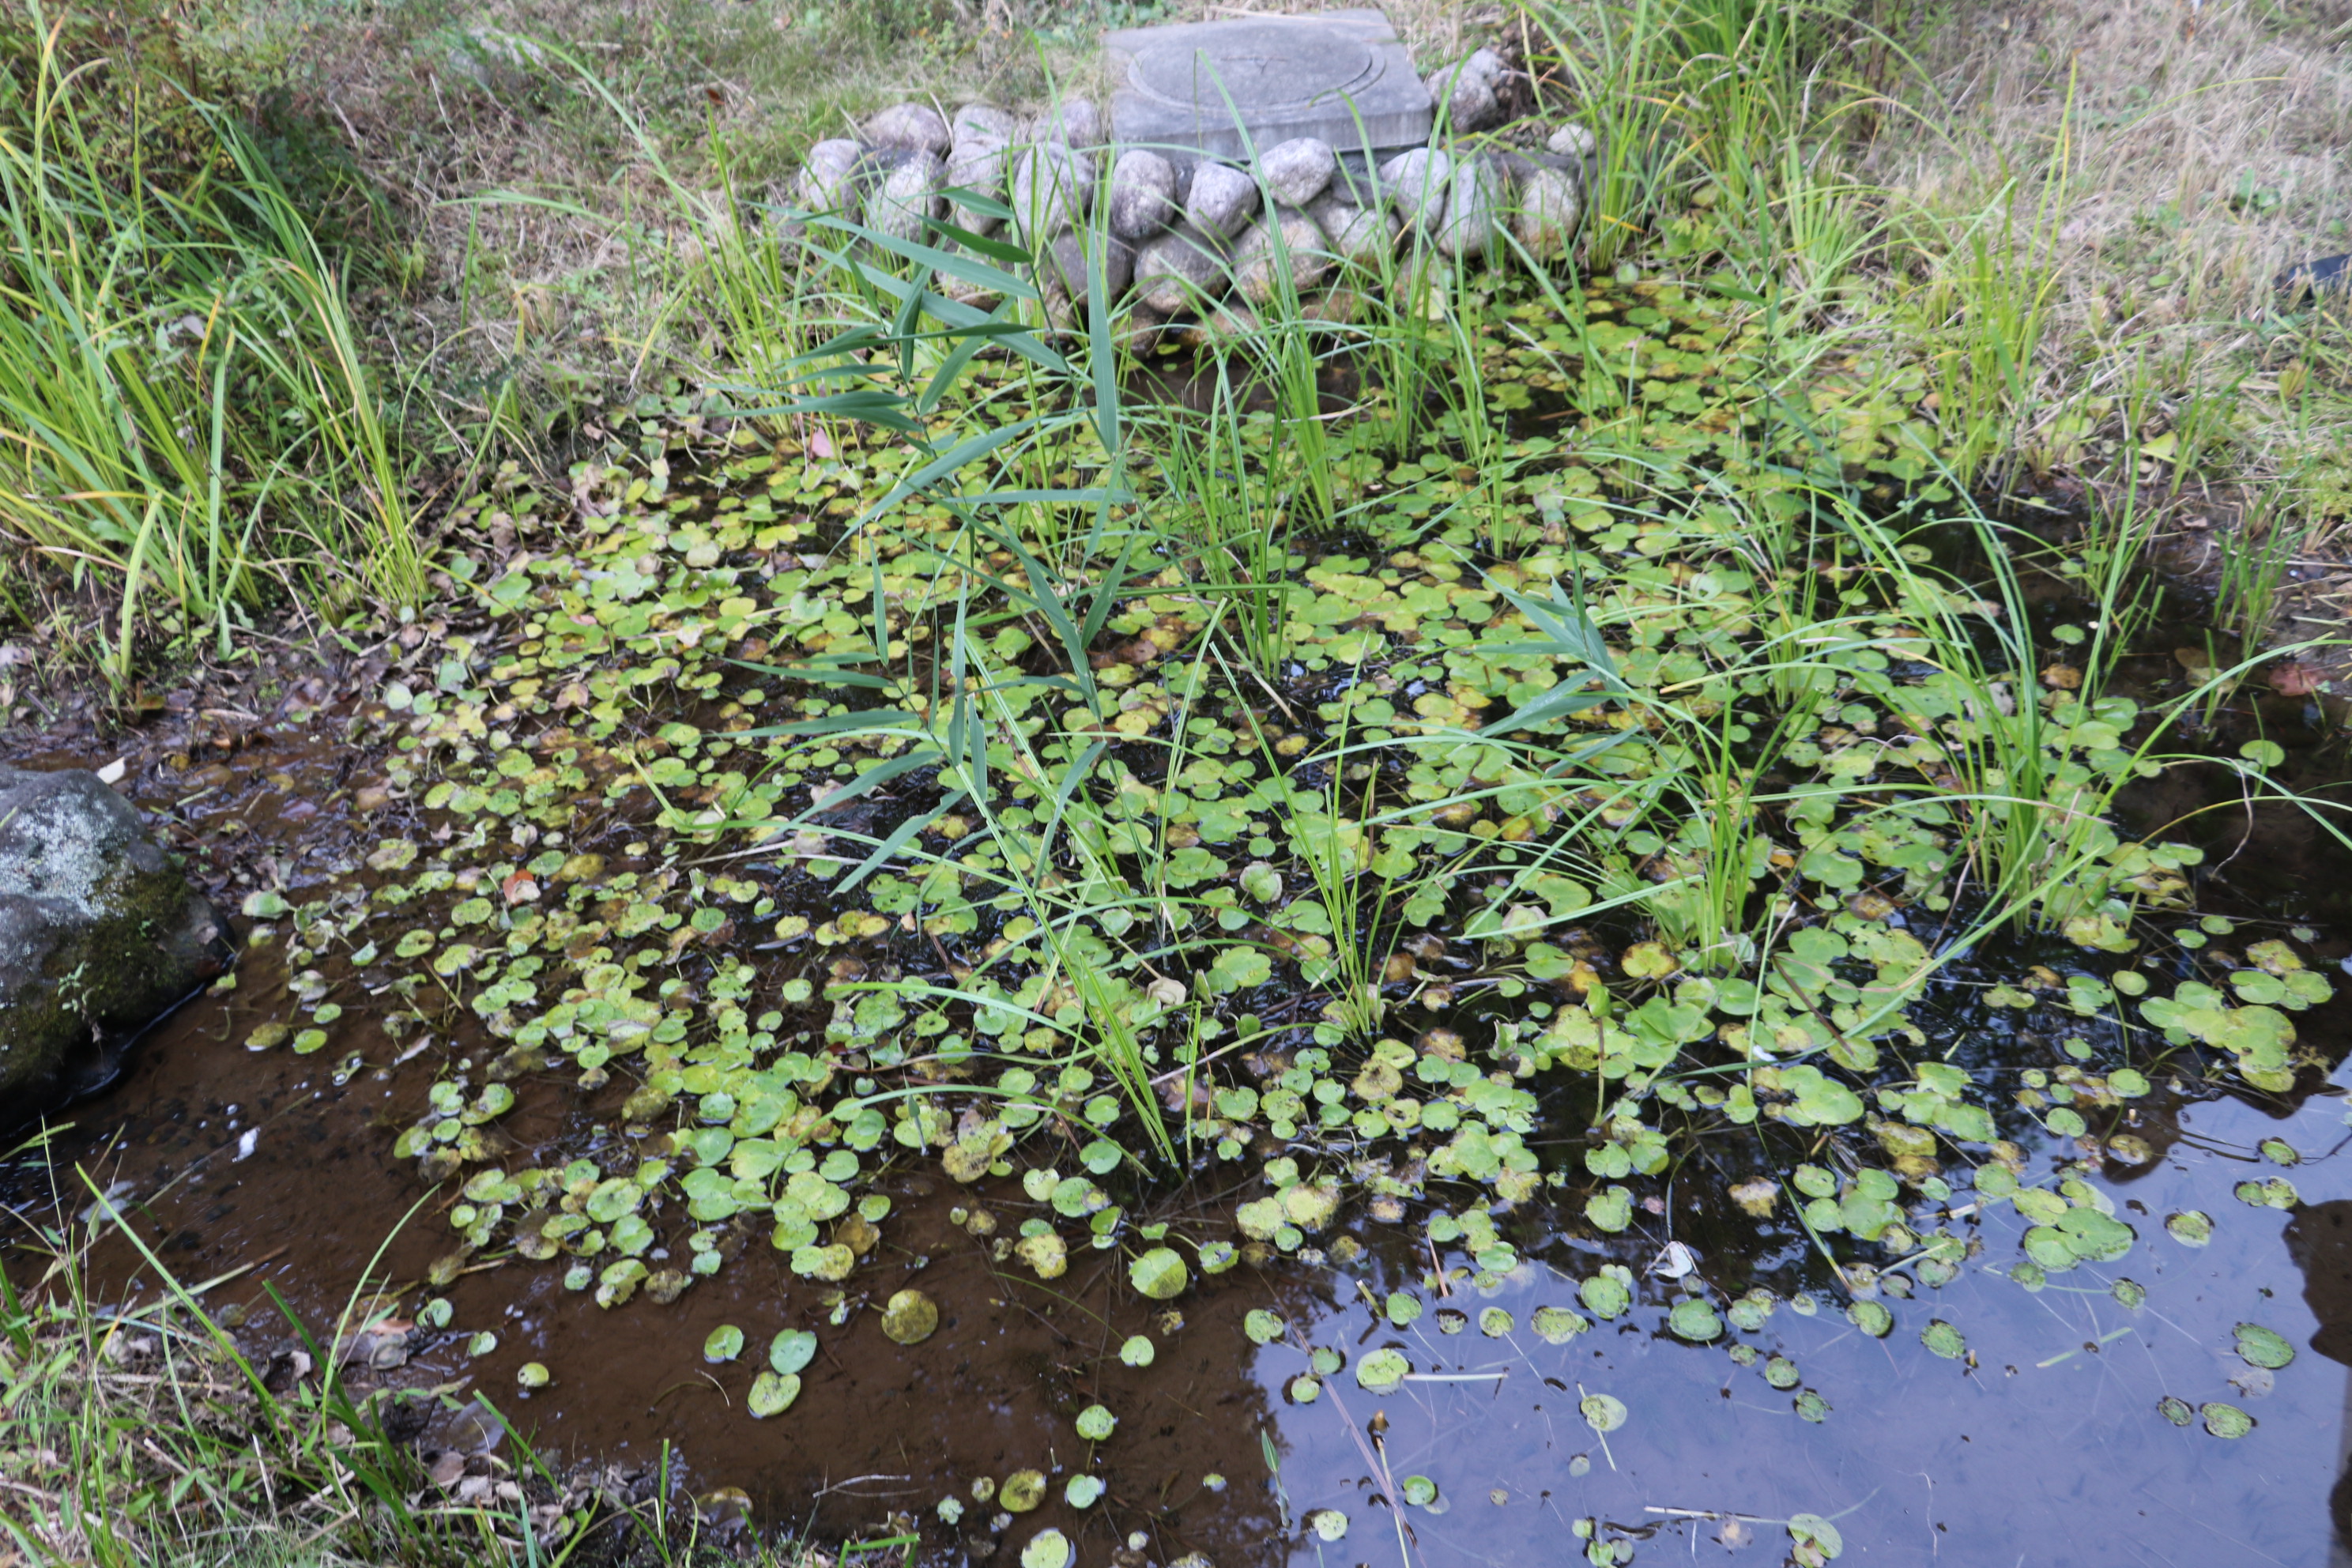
(1656, 630)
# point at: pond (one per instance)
(1235, 1100)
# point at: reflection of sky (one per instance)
(2050, 1451)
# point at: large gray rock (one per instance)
(1417, 180)
(907, 195)
(1544, 217)
(1221, 201)
(1286, 240)
(1181, 270)
(828, 180)
(1051, 186)
(1142, 193)
(99, 934)
(1297, 171)
(910, 128)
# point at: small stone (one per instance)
(1051, 186)
(978, 124)
(1550, 207)
(1573, 141)
(907, 195)
(1142, 193)
(1066, 270)
(910, 127)
(1465, 94)
(1417, 180)
(962, 290)
(1075, 122)
(984, 137)
(1259, 260)
(1181, 270)
(828, 179)
(1474, 206)
(1231, 320)
(1356, 236)
(1297, 171)
(1221, 199)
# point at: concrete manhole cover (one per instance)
(1343, 76)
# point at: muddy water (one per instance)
(2047, 1447)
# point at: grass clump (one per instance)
(191, 421)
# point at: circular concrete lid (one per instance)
(1262, 65)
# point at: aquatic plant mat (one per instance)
(1506, 938)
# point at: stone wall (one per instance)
(1200, 244)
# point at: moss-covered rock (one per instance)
(98, 934)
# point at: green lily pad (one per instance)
(1402, 1309)
(1694, 1318)
(791, 1351)
(1558, 1325)
(1262, 1326)
(725, 1343)
(2262, 1347)
(909, 1319)
(1095, 1424)
(1811, 1407)
(1604, 1413)
(1158, 1275)
(1495, 1322)
(773, 1394)
(1083, 1491)
(2226, 1420)
(1306, 1388)
(1811, 1530)
(1022, 1491)
(1138, 1351)
(1418, 1490)
(1382, 1370)
(1329, 1524)
(1944, 1339)
(531, 1375)
(2178, 1411)
(2191, 1227)
(1782, 1373)
(1605, 1295)
(1046, 1549)
(1872, 1318)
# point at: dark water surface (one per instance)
(2049, 1448)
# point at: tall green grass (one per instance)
(188, 422)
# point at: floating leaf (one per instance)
(1329, 1524)
(1158, 1275)
(531, 1375)
(1604, 1413)
(1872, 1318)
(1418, 1490)
(2262, 1347)
(2226, 1420)
(1046, 1549)
(909, 1319)
(773, 1394)
(725, 1343)
(1022, 1490)
(1605, 1295)
(1817, 1540)
(1136, 1352)
(792, 1350)
(2191, 1227)
(1557, 1325)
(2178, 1411)
(1262, 1326)
(1495, 1322)
(1306, 1388)
(1694, 1318)
(1083, 1491)
(1095, 1424)
(1944, 1339)
(1382, 1370)
(1402, 1309)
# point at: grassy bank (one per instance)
(1645, 683)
